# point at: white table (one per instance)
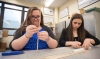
(93, 53)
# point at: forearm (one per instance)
(92, 41)
(52, 43)
(19, 43)
(68, 43)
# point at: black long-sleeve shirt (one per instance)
(63, 39)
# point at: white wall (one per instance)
(73, 7)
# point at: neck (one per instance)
(74, 29)
(39, 27)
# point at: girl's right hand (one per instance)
(76, 44)
(30, 30)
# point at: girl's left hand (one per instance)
(43, 35)
(86, 44)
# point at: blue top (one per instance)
(32, 43)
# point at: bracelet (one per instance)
(26, 36)
(48, 39)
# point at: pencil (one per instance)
(37, 45)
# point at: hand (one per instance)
(86, 43)
(43, 35)
(30, 30)
(76, 44)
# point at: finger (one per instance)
(33, 26)
(79, 43)
(40, 34)
(87, 47)
(41, 38)
(43, 32)
(32, 31)
(30, 27)
(78, 46)
(75, 46)
(84, 46)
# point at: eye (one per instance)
(75, 22)
(33, 16)
(79, 23)
(38, 16)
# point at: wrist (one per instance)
(27, 36)
(92, 41)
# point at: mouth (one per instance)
(35, 19)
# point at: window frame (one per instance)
(2, 14)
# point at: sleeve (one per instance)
(16, 36)
(97, 41)
(51, 34)
(62, 39)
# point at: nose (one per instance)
(35, 18)
(76, 25)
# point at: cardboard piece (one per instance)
(82, 11)
(5, 32)
(3, 46)
(0, 33)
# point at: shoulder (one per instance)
(19, 32)
(46, 28)
(87, 32)
(64, 30)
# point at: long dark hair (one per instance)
(28, 17)
(80, 30)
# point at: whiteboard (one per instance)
(84, 3)
(48, 19)
(48, 11)
(64, 13)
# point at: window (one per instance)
(13, 7)
(25, 14)
(0, 4)
(0, 8)
(11, 32)
(26, 9)
(12, 19)
(12, 16)
(0, 11)
(0, 17)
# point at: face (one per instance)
(76, 23)
(36, 18)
